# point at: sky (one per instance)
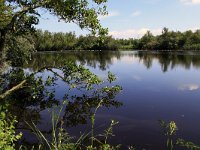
(132, 18)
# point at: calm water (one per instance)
(156, 86)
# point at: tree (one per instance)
(20, 16)
(147, 41)
(5, 17)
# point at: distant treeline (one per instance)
(168, 40)
(47, 41)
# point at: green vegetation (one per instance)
(19, 17)
(169, 131)
(37, 96)
(61, 140)
(24, 94)
(168, 40)
(172, 142)
(8, 136)
(47, 41)
(17, 20)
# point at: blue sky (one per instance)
(132, 18)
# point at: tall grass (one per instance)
(61, 140)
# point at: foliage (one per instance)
(38, 94)
(78, 78)
(8, 135)
(18, 18)
(168, 40)
(24, 14)
(61, 140)
(47, 41)
(19, 49)
(188, 145)
(5, 14)
(169, 131)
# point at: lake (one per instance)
(156, 86)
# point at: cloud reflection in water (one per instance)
(188, 87)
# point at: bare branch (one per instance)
(8, 92)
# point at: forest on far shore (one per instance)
(168, 40)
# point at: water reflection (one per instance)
(137, 78)
(170, 59)
(156, 85)
(103, 60)
(40, 93)
(27, 102)
(95, 59)
(188, 87)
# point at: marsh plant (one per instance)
(169, 130)
(61, 140)
(96, 95)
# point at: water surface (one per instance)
(156, 86)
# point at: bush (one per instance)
(8, 135)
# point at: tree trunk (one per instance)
(2, 40)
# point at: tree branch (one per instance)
(8, 92)
(23, 11)
(18, 86)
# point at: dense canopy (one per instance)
(20, 16)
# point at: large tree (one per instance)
(20, 16)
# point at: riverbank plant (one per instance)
(169, 131)
(61, 140)
(8, 135)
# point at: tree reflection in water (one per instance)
(84, 89)
(169, 59)
(45, 70)
(104, 59)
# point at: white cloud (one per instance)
(190, 1)
(110, 14)
(134, 33)
(136, 13)
(193, 28)
(188, 87)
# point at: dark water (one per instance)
(156, 86)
